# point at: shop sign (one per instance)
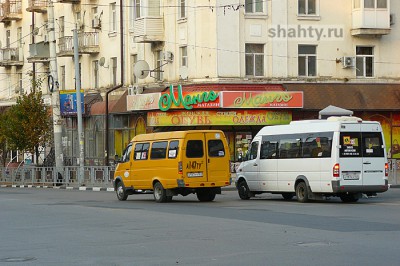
(262, 99)
(214, 117)
(188, 100)
(68, 104)
(148, 101)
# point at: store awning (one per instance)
(355, 97)
(114, 106)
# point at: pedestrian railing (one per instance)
(51, 176)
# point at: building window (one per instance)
(182, 9)
(137, 9)
(254, 6)
(254, 59)
(184, 56)
(381, 3)
(307, 7)
(307, 60)
(113, 18)
(364, 62)
(61, 23)
(158, 63)
(8, 38)
(114, 71)
(96, 74)
(19, 86)
(19, 37)
(132, 15)
(133, 62)
(375, 4)
(153, 8)
(62, 75)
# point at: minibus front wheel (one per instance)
(121, 192)
(243, 190)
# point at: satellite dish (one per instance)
(141, 69)
(102, 61)
(35, 31)
(183, 72)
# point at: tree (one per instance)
(27, 124)
(3, 146)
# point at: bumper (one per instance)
(337, 188)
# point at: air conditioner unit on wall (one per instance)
(96, 23)
(134, 90)
(348, 61)
(168, 56)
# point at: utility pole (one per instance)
(81, 136)
(55, 93)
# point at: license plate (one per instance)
(195, 174)
(351, 175)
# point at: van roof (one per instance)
(170, 135)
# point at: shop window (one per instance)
(242, 144)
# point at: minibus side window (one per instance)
(268, 149)
(158, 150)
(173, 149)
(141, 151)
(216, 148)
(372, 144)
(350, 144)
(253, 150)
(194, 149)
(127, 153)
(290, 148)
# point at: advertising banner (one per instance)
(148, 101)
(262, 99)
(68, 104)
(214, 117)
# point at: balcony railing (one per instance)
(10, 10)
(88, 43)
(11, 57)
(39, 52)
(148, 29)
(69, 1)
(39, 6)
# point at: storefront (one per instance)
(239, 110)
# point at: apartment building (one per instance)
(184, 64)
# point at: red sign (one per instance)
(261, 99)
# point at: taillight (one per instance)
(336, 170)
(180, 168)
(386, 169)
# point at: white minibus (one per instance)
(315, 159)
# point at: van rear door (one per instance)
(218, 168)
(362, 156)
(373, 155)
(194, 164)
(351, 160)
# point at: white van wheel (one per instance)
(302, 192)
(243, 190)
(160, 194)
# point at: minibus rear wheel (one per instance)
(121, 193)
(243, 190)
(160, 195)
(205, 195)
(302, 192)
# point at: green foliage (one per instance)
(27, 124)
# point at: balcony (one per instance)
(39, 6)
(11, 57)
(10, 10)
(148, 29)
(370, 22)
(88, 43)
(39, 52)
(69, 1)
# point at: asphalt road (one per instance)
(71, 227)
